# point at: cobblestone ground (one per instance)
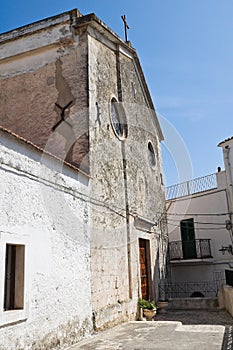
(189, 317)
(175, 330)
(195, 317)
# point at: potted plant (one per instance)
(149, 308)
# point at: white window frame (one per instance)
(13, 316)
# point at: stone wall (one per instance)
(193, 304)
(40, 74)
(83, 65)
(225, 298)
(125, 183)
(47, 212)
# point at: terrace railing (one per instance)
(187, 188)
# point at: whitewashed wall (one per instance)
(48, 212)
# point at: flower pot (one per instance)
(162, 305)
(149, 314)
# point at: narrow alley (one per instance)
(175, 330)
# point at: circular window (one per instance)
(151, 155)
(118, 119)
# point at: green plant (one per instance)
(146, 304)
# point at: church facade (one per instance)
(76, 107)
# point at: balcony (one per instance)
(201, 184)
(184, 250)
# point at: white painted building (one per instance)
(199, 214)
(45, 286)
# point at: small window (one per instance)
(118, 119)
(151, 155)
(14, 277)
(161, 179)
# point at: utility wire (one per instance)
(96, 201)
(200, 214)
(201, 228)
(201, 223)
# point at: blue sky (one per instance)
(186, 51)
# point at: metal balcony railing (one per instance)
(171, 289)
(187, 188)
(190, 289)
(197, 249)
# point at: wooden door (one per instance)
(144, 268)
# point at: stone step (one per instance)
(193, 304)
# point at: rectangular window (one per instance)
(14, 277)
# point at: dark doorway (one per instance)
(188, 239)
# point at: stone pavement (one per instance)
(192, 317)
(175, 330)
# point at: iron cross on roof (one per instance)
(126, 27)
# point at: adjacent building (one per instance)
(83, 224)
(199, 214)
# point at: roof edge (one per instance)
(87, 19)
(41, 150)
(71, 15)
(224, 141)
